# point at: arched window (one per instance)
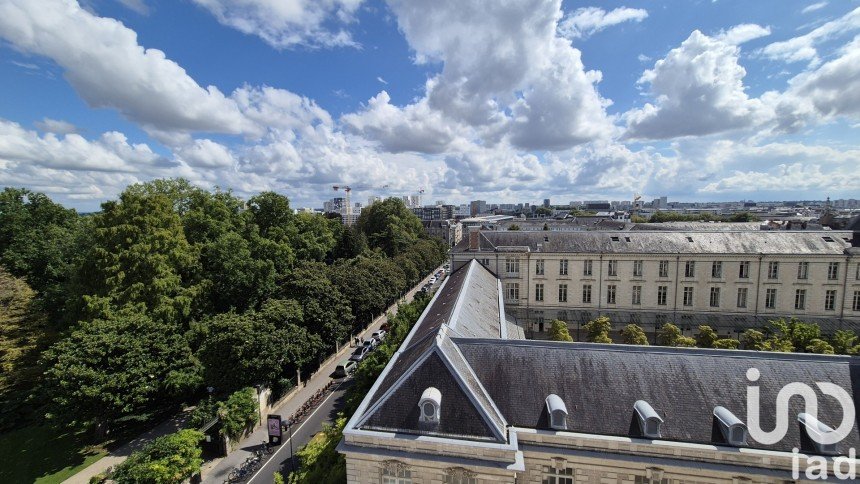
(459, 475)
(395, 472)
(430, 405)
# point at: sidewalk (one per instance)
(216, 471)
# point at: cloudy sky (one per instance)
(513, 100)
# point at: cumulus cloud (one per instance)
(583, 22)
(698, 90)
(803, 48)
(785, 177)
(56, 126)
(205, 153)
(288, 23)
(743, 33)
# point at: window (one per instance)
(715, 297)
(770, 299)
(586, 293)
(856, 305)
(395, 472)
(637, 295)
(688, 296)
(539, 267)
(803, 270)
(538, 317)
(512, 290)
(717, 269)
(662, 291)
(512, 266)
(833, 271)
(744, 272)
(800, 299)
(586, 268)
(664, 268)
(610, 294)
(562, 293)
(484, 262)
(562, 267)
(772, 270)
(613, 268)
(830, 300)
(690, 269)
(552, 475)
(538, 292)
(637, 268)
(742, 297)
(458, 475)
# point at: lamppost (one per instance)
(289, 423)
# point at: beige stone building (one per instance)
(729, 280)
(467, 400)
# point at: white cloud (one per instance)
(813, 7)
(288, 23)
(139, 6)
(743, 33)
(803, 48)
(56, 126)
(698, 90)
(383, 81)
(583, 22)
(786, 177)
(205, 153)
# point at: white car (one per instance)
(379, 335)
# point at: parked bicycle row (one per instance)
(310, 404)
(251, 465)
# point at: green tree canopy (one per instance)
(844, 342)
(558, 331)
(707, 337)
(390, 226)
(632, 334)
(597, 330)
(169, 459)
(670, 335)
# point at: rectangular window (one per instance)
(637, 268)
(512, 289)
(512, 266)
(662, 291)
(539, 267)
(717, 270)
(460, 479)
(856, 305)
(538, 292)
(688, 296)
(690, 269)
(773, 270)
(664, 268)
(715, 297)
(586, 268)
(744, 272)
(551, 475)
(803, 270)
(800, 299)
(562, 293)
(742, 297)
(613, 268)
(830, 300)
(562, 267)
(833, 271)
(610, 294)
(396, 475)
(637, 295)
(770, 299)
(586, 294)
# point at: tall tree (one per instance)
(390, 226)
(326, 311)
(272, 214)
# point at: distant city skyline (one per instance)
(466, 100)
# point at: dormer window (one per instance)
(817, 432)
(430, 405)
(733, 429)
(557, 412)
(649, 421)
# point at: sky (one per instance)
(505, 101)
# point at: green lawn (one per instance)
(44, 455)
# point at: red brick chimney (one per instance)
(474, 238)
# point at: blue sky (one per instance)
(503, 101)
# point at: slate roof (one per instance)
(666, 242)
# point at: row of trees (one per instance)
(779, 335)
(171, 289)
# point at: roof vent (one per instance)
(557, 412)
(689, 239)
(429, 405)
(817, 432)
(615, 239)
(828, 238)
(733, 430)
(649, 421)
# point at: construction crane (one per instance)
(635, 209)
(347, 189)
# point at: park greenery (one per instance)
(168, 459)
(114, 319)
(665, 216)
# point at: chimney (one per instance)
(855, 241)
(474, 238)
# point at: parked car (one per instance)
(371, 344)
(360, 353)
(379, 335)
(433, 280)
(345, 368)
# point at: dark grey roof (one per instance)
(600, 383)
(667, 242)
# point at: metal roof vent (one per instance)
(817, 432)
(733, 430)
(649, 421)
(557, 412)
(430, 404)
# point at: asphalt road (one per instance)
(302, 434)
